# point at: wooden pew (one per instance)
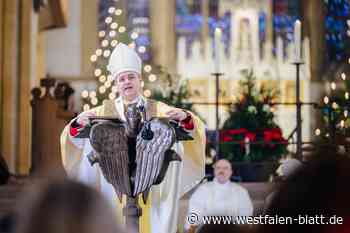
(50, 115)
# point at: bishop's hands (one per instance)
(177, 114)
(83, 118)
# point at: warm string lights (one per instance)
(108, 40)
(331, 107)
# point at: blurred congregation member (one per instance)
(288, 167)
(318, 189)
(64, 206)
(221, 197)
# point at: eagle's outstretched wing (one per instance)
(151, 154)
(110, 144)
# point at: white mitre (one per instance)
(124, 58)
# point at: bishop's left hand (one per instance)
(177, 114)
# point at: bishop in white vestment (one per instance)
(160, 212)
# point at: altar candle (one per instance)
(297, 40)
(217, 41)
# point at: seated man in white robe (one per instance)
(221, 197)
(159, 213)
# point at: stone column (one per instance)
(9, 74)
(205, 28)
(313, 27)
(163, 35)
(89, 42)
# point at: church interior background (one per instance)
(71, 40)
(53, 57)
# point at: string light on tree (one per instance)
(147, 93)
(108, 84)
(102, 89)
(147, 68)
(335, 105)
(111, 10)
(343, 76)
(104, 43)
(99, 52)
(333, 86)
(94, 101)
(118, 12)
(134, 35)
(92, 94)
(342, 123)
(152, 78)
(106, 53)
(112, 96)
(86, 107)
(93, 58)
(114, 26)
(122, 29)
(317, 132)
(114, 43)
(102, 78)
(109, 20)
(142, 49)
(102, 34)
(326, 100)
(98, 72)
(85, 94)
(110, 78)
(112, 33)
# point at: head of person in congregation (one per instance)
(223, 171)
(63, 206)
(315, 198)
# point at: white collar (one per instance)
(136, 100)
(119, 104)
(226, 184)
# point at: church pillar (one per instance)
(313, 18)
(17, 39)
(313, 27)
(205, 28)
(269, 22)
(9, 74)
(267, 53)
(28, 25)
(89, 18)
(163, 34)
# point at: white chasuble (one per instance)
(160, 213)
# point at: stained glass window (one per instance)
(285, 13)
(337, 29)
(137, 21)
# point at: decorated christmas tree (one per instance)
(172, 90)
(335, 105)
(113, 32)
(335, 109)
(250, 133)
